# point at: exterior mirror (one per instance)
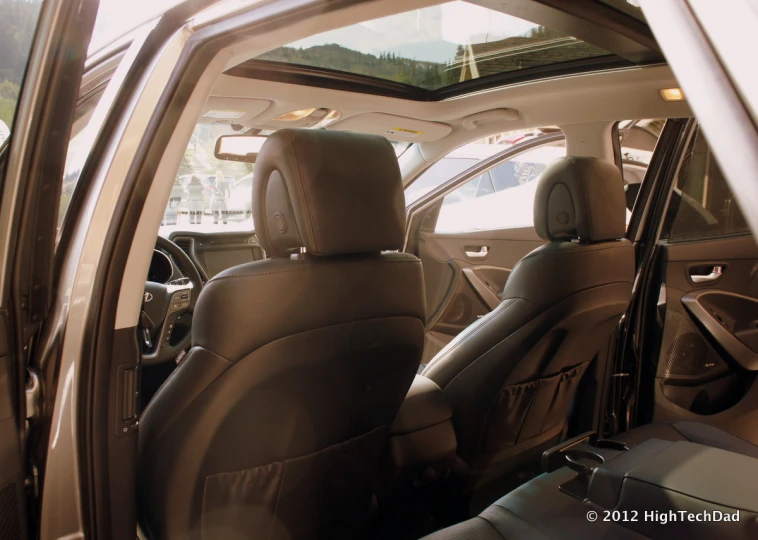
(242, 148)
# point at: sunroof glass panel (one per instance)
(437, 46)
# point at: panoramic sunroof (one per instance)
(437, 47)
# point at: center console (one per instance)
(422, 443)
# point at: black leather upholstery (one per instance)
(511, 377)
(539, 510)
(576, 199)
(424, 406)
(273, 425)
(329, 192)
(696, 432)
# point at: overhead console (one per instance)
(215, 252)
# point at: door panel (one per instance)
(11, 463)
(703, 365)
(466, 272)
(46, 46)
(706, 367)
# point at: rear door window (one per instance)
(702, 205)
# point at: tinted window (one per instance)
(502, 198)
(515, 173)
(208, 194)
(437, 174)
(702, 205)
(638, 139)
(437, 46)
(18, 20)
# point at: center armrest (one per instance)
(425, 406)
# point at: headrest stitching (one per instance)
(264, 226)
(306, 206)
(587, 209)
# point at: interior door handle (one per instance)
(713, 275)
(483, 250)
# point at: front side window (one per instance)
(17, 24)
(702, 205)
(501, 198)
(465, 157)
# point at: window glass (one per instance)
(212, 195)
(465, 157)
(436, 175)
(507, 201)
(702, 205)
(17, 24)
(209, 194)
(438, 46)
(638, 139)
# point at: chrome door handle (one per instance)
(478, 254)
(715, 273)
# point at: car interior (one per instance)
(472, 285)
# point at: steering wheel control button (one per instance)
(180, 300)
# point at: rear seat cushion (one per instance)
(537, 510)
(695, 432)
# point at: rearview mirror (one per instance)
(243, 148)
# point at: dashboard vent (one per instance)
(185, 244)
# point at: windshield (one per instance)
(17, 24)
(209, 194)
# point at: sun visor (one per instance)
(233, 110)
(395, 128)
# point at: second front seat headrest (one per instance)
(329, 192)
(580, 198)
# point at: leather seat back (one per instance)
(273, 425)
(512, 376)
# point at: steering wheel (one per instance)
(163, 304)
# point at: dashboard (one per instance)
(210, 253)
(161, 268)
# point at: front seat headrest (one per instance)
(580, 198)
(330, 192)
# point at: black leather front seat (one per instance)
(511, 377)
(273, 425)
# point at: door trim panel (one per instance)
(720, 323)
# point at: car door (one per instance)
(40, 82)
(703, 356)
(470, 233)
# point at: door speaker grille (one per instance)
(685, 353)
(459, 311)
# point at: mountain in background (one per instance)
(387, 65)
(439, 51)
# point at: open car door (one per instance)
(704, 324)
(702, 308)
(31, 168)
